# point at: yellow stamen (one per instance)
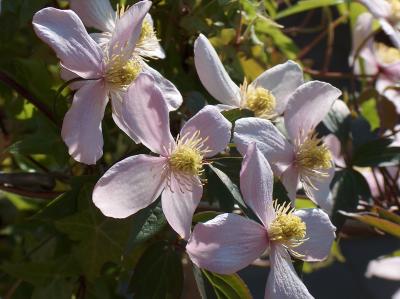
(387, 55)
(121, 72)
(312, 154)
(147, 32)
(287, 228)
(187, 157)
(395, 10)
(261, 101)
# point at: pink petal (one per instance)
(146, 115)
(117, 98)
(256, 184)
(227, 243)
(278, 151)
(290, 179)
(283, 282)
(380, 9)
(320, 234)
(81, 129)
(95, 13)
(171, 94)
(382, 85)
(391, 31)
(321, 195)
(387, 268)
(213, 74)
(333, 143)
(282, 80)
(307, 106)
(128, 28)
(125, 188)
(64, 32)
(179, 204)
(213, 127)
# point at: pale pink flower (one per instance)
(107, 73)
(380, 60)
(302, 156)
(231, 242)
(388, 14)
(266, 96)
(136, 182)
(386, 268)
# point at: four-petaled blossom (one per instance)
(388, 14)
(136, 182)
(106, 73)
(231, 242)
(266, 96)
(303, 156)
(380, 60)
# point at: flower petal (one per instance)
(128, 28)
(320, 234)
(171, 94)
(117, 104)
(391, 31)
(387, 268)
(283, 282)
(227, 243)
(278, 151)
(64, 32)
(179, 204)
(95, 13)
(282, 80)
(307, 106)
(213, 127)
(213, 74)
(333, 144)
(145, 113)
(290, 179)
(155, 51)
(380, 9)
(125, 189)
(81, 129)
(383, 85)
(256, 184)
(322, 196)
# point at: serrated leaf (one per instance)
(158, 274)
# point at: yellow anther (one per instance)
(147, 33)
(187, 157)
(261, 101)
(287, 228)
(121, 72)
(312, 154)
(387, 55)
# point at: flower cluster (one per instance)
(112, 65)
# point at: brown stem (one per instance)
(32, 194)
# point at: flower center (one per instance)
(261, 101)
(121, 72)
(313, 154)
(287, 228)
(387, 55)
(187, 156)
(395, 8)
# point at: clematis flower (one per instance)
(303, 156)
(267, 96)
(388, 14)
(100, 15)
(231, 242)
(136, 182)
(380, 60)
(107, 74)
(386, 268)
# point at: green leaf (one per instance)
(235, 114)
(386, 214)
(348, 187)
(377, 153)
(158, 274)
(305, 5)
(227, 286)
(204, 216)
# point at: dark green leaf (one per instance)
(377, 153)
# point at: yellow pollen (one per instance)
(387, 54)
(395, 10)
(187, 157)
(313, 154)
(287, 228)
(261, 101)
(121, 72)
(147, 32)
